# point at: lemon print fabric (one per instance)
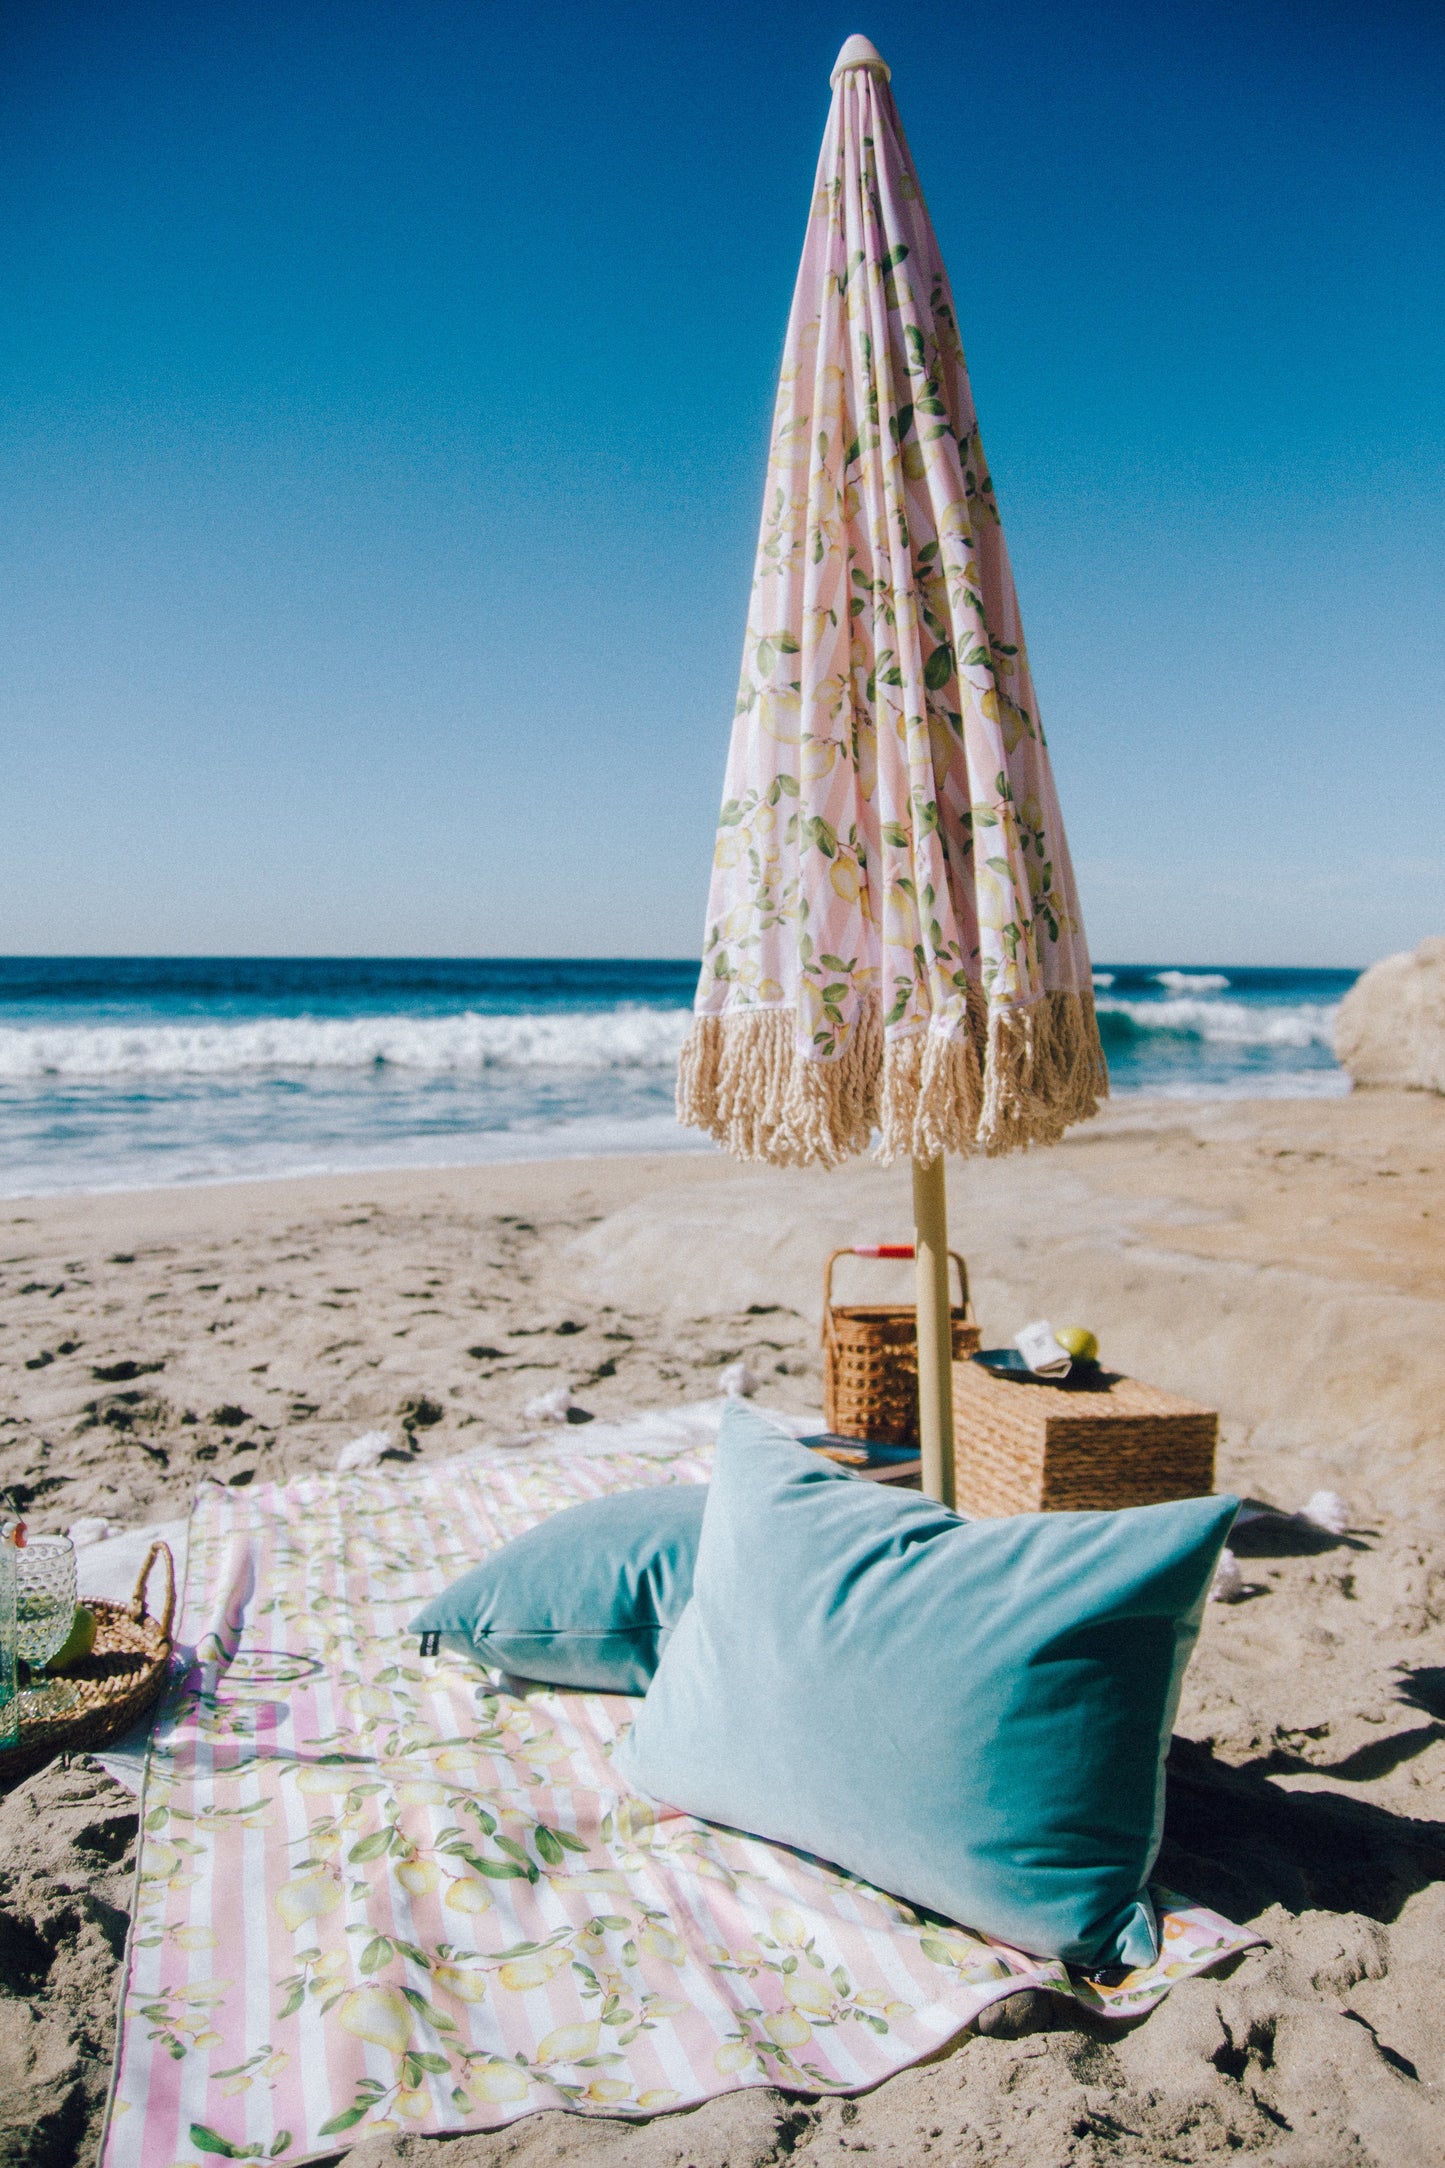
(411, 1901)
(893, 939)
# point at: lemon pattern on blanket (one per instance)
(377, 1894)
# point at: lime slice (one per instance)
(78, 1642)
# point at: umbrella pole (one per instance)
(935, 1328)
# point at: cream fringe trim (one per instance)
(1014, 1077)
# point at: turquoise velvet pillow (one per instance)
(587, 1598)
(970, 1714)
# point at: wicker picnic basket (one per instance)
(107, 1690)
(870, 1355)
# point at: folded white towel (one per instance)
(1042, 1352)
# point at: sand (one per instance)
(1282, 1261)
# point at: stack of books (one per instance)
(875, 1463)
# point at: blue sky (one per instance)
(384, 394)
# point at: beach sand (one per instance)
(1281, 1260)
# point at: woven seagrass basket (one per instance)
(99, 1698)
(870, 1355)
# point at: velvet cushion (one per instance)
(972, 1715)
(587, 1598)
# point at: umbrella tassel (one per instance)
(1045, 1069)
(741, 1079)
(933, 1091)
(1013, 1077)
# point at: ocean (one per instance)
(119, 1073)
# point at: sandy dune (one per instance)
(1282, 1261)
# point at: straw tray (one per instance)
(870, 1356)
(99, 1698)
(1026, 1446)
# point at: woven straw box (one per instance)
(1024, 1446)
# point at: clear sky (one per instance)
(384, 395)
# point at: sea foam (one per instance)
(1224, 1023)
(1191, 982)
(621, 1038)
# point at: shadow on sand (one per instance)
(1239, 1842)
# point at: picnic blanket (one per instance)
(378, 1892)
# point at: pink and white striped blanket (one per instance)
(377, 1894)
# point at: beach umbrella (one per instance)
(893, 943)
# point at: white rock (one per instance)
(737, 1381)
(1228, 1583)
(549, 1407)
(1327, 1510)
(363, 1452)
(1390, 1029)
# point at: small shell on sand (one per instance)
(1326, 1509)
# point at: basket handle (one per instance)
(138, 1600)
(881, 1249)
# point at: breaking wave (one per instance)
(609, 1039)
(1192, 982)
(1220, 1023)
(622, 1038)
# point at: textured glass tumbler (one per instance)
(44, 1598)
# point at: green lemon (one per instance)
(1081, 1344)
(78, 1642)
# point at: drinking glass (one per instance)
(44, 1598)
